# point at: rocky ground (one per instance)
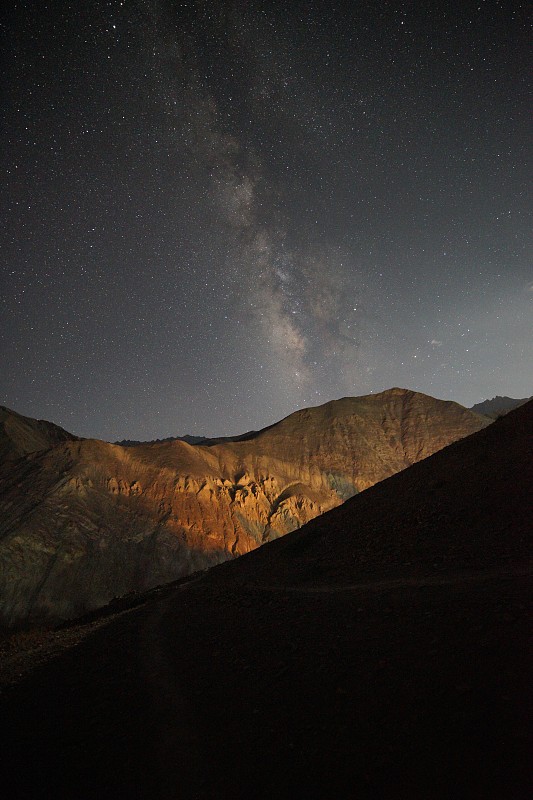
(379, 652)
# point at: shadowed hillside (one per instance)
(379, 652)
(21, 435)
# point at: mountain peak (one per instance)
(129, 518)
(20, 435)
(498, 406)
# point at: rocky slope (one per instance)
(20, 435)
(85, 521)
(465, 507)
(382, 651)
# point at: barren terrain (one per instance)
(84, 521)
(360, 657)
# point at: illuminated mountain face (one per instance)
(85, 521)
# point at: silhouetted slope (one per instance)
(379, 652)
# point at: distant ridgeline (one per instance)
(192, 440)
(187, 438)
(498, 406)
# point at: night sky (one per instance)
(215, 213)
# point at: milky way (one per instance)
(216, 213)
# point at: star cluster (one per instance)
(215, 213)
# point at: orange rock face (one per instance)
(83, 521)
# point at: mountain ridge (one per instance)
(20, 435)
(95, 520)
(379, 651)
(498, 405)
(208, 441)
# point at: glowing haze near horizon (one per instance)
(215, 213)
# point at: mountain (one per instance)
(382, 650)
(186, 438)
(498, 406)
(204, 440)
(85, 521)
(21, 435)
(466, 507)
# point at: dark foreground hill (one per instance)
(378, 652)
